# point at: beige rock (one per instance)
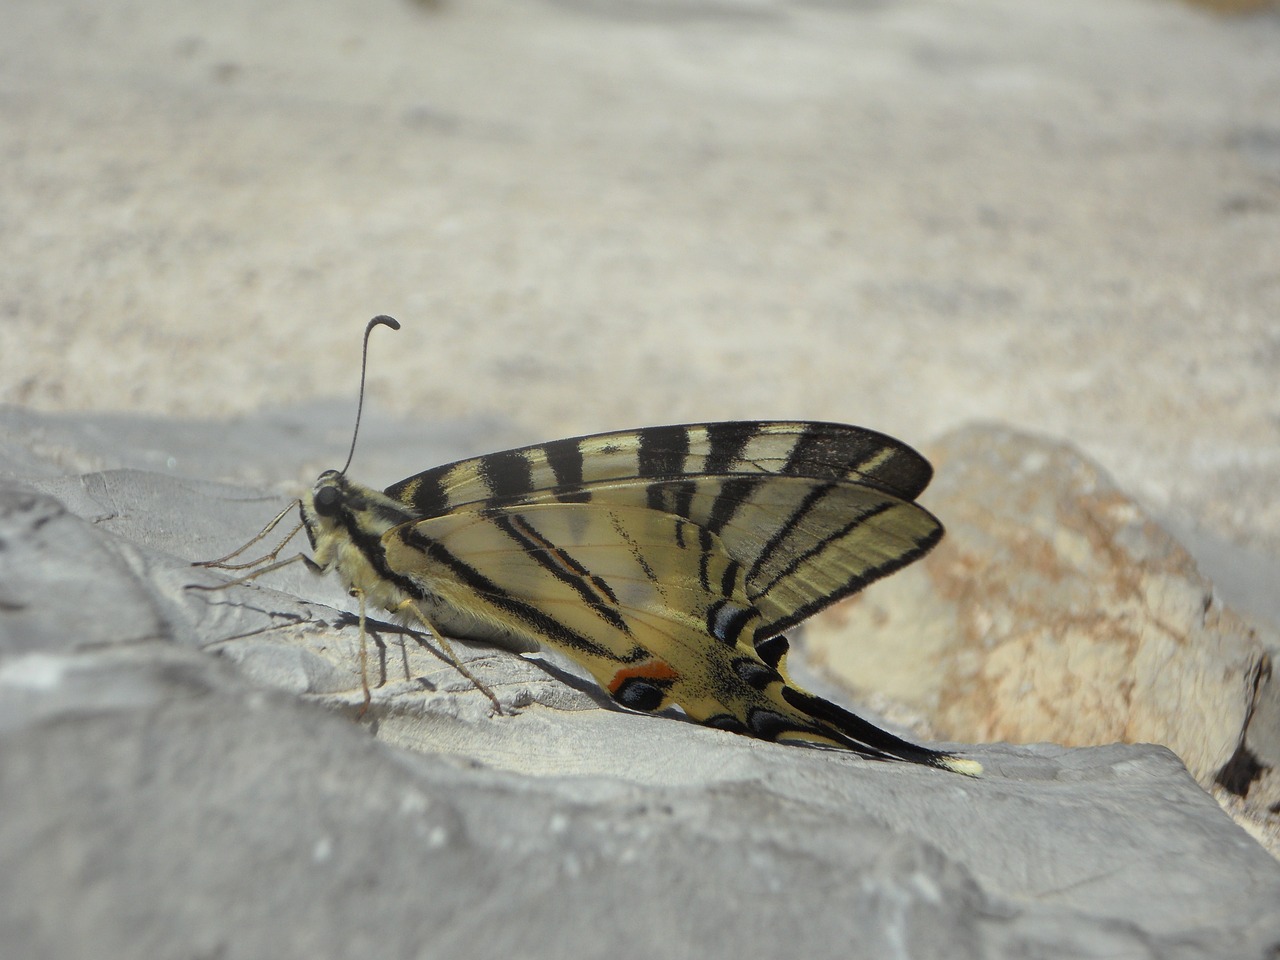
(1056, 609)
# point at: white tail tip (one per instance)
(970, 768)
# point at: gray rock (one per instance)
(161, 801)
(51, 559)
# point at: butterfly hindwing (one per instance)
(803, 543)
(652, 605)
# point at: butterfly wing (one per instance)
(812, 512)
(653, 605)
(566, 470)
(802, 543)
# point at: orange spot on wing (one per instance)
(649, 670)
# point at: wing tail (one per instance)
(786, 714)
(861, 736)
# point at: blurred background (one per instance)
(595, 214)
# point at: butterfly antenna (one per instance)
(379, 321)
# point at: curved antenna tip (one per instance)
(381, 320)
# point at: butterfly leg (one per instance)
(364, 658)
(223, 563)
(410, 608)
(255, 574)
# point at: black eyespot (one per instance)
(327, 500)
(754, 673)
(772, 649)
(723, 721)
(640, 694)
(768, 725)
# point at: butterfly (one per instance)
(667, 561)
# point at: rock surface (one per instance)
(589, 215)
(168, 791)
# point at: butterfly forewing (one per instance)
(567, 470)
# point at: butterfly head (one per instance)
(328, 494)
(326, 508)
(338, 508)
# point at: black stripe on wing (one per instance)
(661, 453)
(540, 624)
(833, 451)
(565, 459)
(508, 474)
(852, 585)
(797, 559)
(595, 592)
(728, 441)
(734, 492)
(785, 529)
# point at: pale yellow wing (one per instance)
(654, 606)
(812, 512)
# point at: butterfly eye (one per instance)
(327, 500)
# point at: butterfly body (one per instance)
(667, 561)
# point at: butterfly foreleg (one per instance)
(409, 608)
(222, 563)
(364, 655)
(255, 574)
